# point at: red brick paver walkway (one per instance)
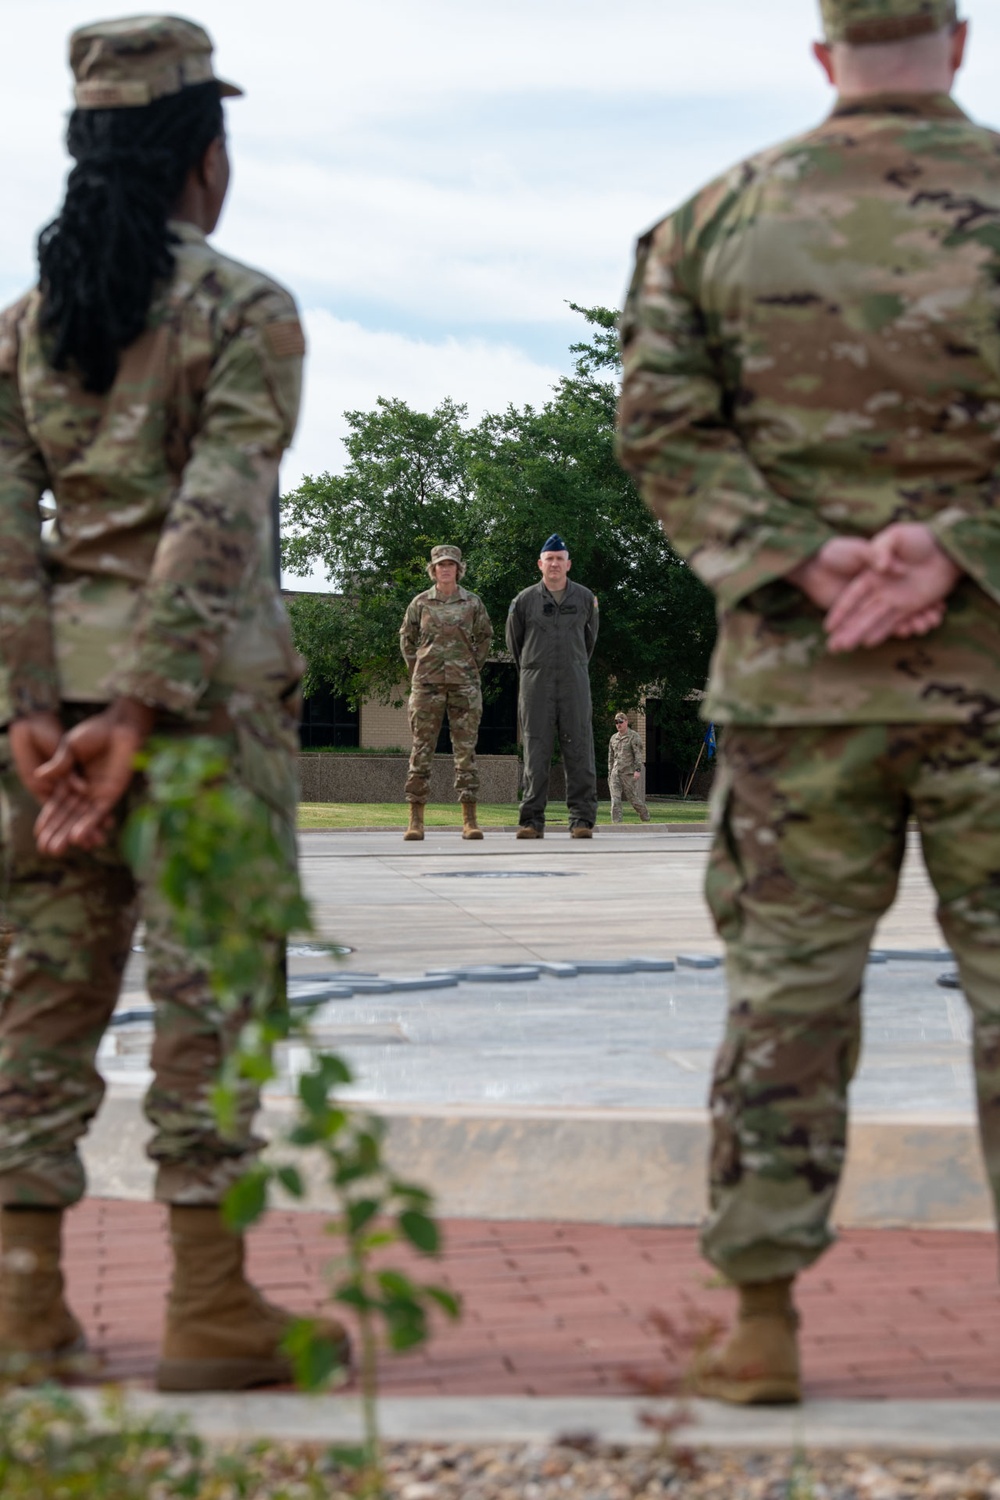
(563, 1309)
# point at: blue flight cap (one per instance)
(555, 543)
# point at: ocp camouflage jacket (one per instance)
(812, 349)
(157, 582)
(625, 752)
(446, 640)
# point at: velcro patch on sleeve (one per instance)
(285, 338)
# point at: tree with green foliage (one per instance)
(405, 487)
(498, 488)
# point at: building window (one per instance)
(328, 722)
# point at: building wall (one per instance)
(384, 727)
(381, 778)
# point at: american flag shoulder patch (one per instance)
(285, 338)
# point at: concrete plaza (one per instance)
(557, 1108)
(498, 1084)
(635, 889)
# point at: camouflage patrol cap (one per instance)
(127, 63)
(863, 22)
(446, 553)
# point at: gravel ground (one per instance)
(579, 1470)
(564, 1473)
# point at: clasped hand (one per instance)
(893, 585)
(78, 775)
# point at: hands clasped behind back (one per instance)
(79, 775)
(893, 585)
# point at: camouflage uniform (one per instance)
(625, 757)
(6, 773)
(445, 641)
(811, 351)
(157, 586)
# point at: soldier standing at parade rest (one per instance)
(625, 762)
(812, 377)
(551, 634)
(152, 385)
(445, 638)
(6, 772)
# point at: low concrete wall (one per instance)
(381, 778)
(611, 1166)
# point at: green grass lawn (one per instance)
(449, 815)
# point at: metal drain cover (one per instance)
(499, 874)
(318, 950)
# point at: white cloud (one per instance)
(445, 253)
(350, 367)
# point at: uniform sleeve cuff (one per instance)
(734, 573)
(27, 698)
(165, 696)
(973, 544)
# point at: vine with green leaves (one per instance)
(221, 859)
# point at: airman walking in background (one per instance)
(445, 638)
(625, 763)
(812, 381)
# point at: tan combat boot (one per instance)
(470, 828)
(529, 831)
(39, 1336)
(582, 831)
(759, 1363)
(221, 1334)
(414, 834)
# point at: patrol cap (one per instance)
(446, 553)
(129, 62)
(555, 543)
(621, 718)
(863, 22)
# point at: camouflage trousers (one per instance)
(5, 773)
(427, 704)
(74, 920)
(810, 830)
(623, 787)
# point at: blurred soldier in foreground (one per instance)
(625, 762)
(5, 787)
(551, 634)
(152, 385)
(812, 381)
(445, 638)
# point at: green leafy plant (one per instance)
(52, 1447)
(218, 857)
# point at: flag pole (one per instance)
(694, 773)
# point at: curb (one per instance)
(696, 825)
(912, 1428)
(642, 1166)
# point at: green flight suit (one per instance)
(552, 645)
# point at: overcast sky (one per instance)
(436, 179)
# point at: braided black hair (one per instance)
(101, 258)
